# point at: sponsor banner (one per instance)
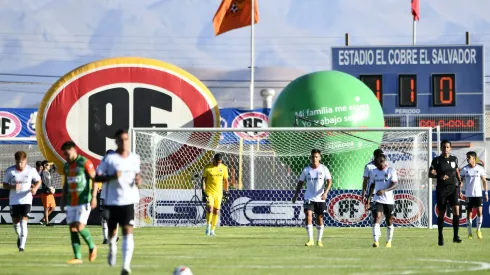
(236, 118)
(17, 123)
(463, 213)
(37, 210)
(271, 208)
(21, 122)
(254, 208)
(171, 207)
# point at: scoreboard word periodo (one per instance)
(423, 86)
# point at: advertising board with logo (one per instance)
(236, 118)
(274, 208)
(37, 210)
(17, 123)
(253, 208)
(24, 119)
(463, 215)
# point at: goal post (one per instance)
(265, 165)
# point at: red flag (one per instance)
(234, 14)
(416, 10)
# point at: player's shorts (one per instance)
(318, 207)
(78, 213)
(20, 210)
(119, 215)
(214, 201)
(473, 202)
(387, 209)
(445, 196)
(48, 200)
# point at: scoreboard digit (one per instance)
(423, 86)
(375, 83)
(444, 90)
(407, 90)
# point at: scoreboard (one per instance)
(423, 86)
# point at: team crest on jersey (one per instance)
(453, 164)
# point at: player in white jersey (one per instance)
(385, 180)
(103, 212)
(366, 189)
(121, 196)
(473, 177)
(19, 180)
(315, 175)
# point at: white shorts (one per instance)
(79, 213)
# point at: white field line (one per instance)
(466, 266)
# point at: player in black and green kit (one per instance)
(79, 198)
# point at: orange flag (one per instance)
(234, 14)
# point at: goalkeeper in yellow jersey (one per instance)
(214, 176)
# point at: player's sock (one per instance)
(468, 225)
(127, 250)
(209, 217)
(319, 230)
(479, 221)
(214, 221)
(111, 258)
(376, 232)
(105, 230)
(309, 231)
(75, 244)
(389, 233)
(23, 233)
(456, 225)
(17, 229)
(87, 237)
(440, 225)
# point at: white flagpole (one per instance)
(252, 55)
(252, 80)
(414, 31)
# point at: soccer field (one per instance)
(241, 250)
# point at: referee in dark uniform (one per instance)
(445, 169)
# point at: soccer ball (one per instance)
(182, 270)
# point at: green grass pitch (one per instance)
(246, 250)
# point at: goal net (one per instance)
(264, 168)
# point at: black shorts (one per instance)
(446, 196)
(119, 215)
(387, 209)
(473, 202)
(318, 207)
(20, 210)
